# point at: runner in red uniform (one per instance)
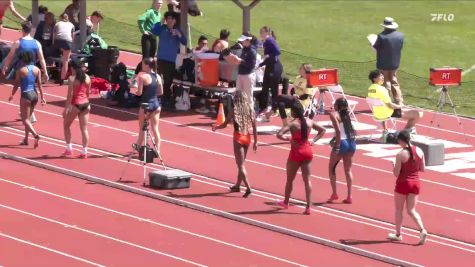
(77, 105)
(409, 162)
(301, 153)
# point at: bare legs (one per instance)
(347, 162)
(292, 168)
(64, 69)
(26, 109)
(69, 118)
(411, 201)
(154, 122)
(240, 153)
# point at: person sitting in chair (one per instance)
(382, 113)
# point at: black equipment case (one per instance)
(169, 179)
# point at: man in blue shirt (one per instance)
(388, 47)
(246, 79)
(168, 48)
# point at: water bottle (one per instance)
(321, 109)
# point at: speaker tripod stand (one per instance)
(146, 152)
(443, 97)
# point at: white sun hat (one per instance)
(389, 23)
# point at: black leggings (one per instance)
(167, 70)
(270, 83)
(149, 49)
(285, 101)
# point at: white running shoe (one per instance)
(262, 118)
(423, 237)
(33, 118)
(202, 110)
(394, 237)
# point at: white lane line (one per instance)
(99, 235)
(283, 169)
(217, 212)
(266, 144)
(263, 143)
(50, 250)
(149, 221)
(213, 182)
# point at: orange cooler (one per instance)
(207, 69)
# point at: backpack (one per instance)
(119, 73)
(182, 98)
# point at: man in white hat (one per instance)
(247, 66)
(388, 47)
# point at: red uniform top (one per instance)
(80, 95)
(302, 150)
(410, 169)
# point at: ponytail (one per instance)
(410, 151)
(341, 105)
(151, 62)
(78, 68)
(405, 136)
(269, 31)
(297, 110)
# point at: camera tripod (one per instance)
(146, 153)
(443, 97)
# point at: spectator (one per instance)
(300, 92)
(222, 43)
(72, 10)
(63, 36)
(272, 74)
(247, 64)
(388, 47)
(202, 45)
(94, 20)
(146, 22)
(44, 34)
(376, 90)
(4, 6)
(42, 10)
(169, 45)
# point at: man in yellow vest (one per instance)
(382, 113)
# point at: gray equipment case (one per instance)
(169, 179)
(433, 151)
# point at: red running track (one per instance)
(361, 233)
(124, 229)
(373, 200)
(374, 186)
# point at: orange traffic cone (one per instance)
(221, 118)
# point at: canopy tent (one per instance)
(82, 17)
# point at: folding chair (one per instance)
(338, 90)
(351, 103)
(376, 102)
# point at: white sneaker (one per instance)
(262, 118)
(394, 237)
(202, 110)
(33, 118)
(423, 237)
